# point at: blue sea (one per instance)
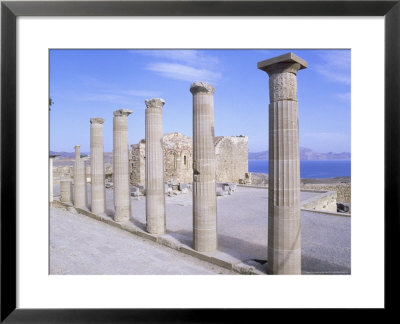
(311, 169)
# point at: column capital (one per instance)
(289, 63)
(154, 103)
(122, 112)
(205, 87)
(96, 120)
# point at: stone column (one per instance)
(122, 195)
(79, 180)
(97, 166)
(51, 181)
(66, 190)
(204, 191)
(284, 243)
(155, 199)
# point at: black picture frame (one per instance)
(10, 10)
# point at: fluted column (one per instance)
(284, 241)
(155, 199)
(51, 181)
(66, 190)
(204, 191)
(80, 200)
(97, 166)
(122, 195)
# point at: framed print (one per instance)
(38, 36)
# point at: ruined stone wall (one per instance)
(231, 155)
(178, 157)
(137, 163)
(343, 190)
(326, 202)
(232, 158)
(63, 172)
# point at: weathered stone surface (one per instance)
(121, 165)
(80, 196)
(51, 181)
(327, 202)
(204, 189)
(283, 86)
(155, 199)
(343, 190)
(231, 153)
(138, 163)
(177, 157)
(231, 158)
(66, 191)
(97, 120)
(282, 71)
(284, 242)
(285, 58)
(98, 205)
(155, 103)
(62, 172)
(203, 87)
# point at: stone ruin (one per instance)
(231, 153)
(203, 160)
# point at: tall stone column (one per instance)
(155, 199)
(284, 243)
(80, 200)
(122, 195)
(51, 181)
(204, 191)
(66, 190)
(97, 166)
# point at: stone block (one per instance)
(221, 192)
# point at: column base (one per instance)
(284, 262)
(205, 240)
(122, 214)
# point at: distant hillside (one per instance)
(62, 156)
(263, 155)
(306, 154)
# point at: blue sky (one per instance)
(94, 83)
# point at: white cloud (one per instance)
(183, 72)
(335, 66)
(186, 65)
(190, 57)
(346, 96)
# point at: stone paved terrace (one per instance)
(243, 229)
(81, 245)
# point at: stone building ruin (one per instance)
(231, 159)
(204, 161)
